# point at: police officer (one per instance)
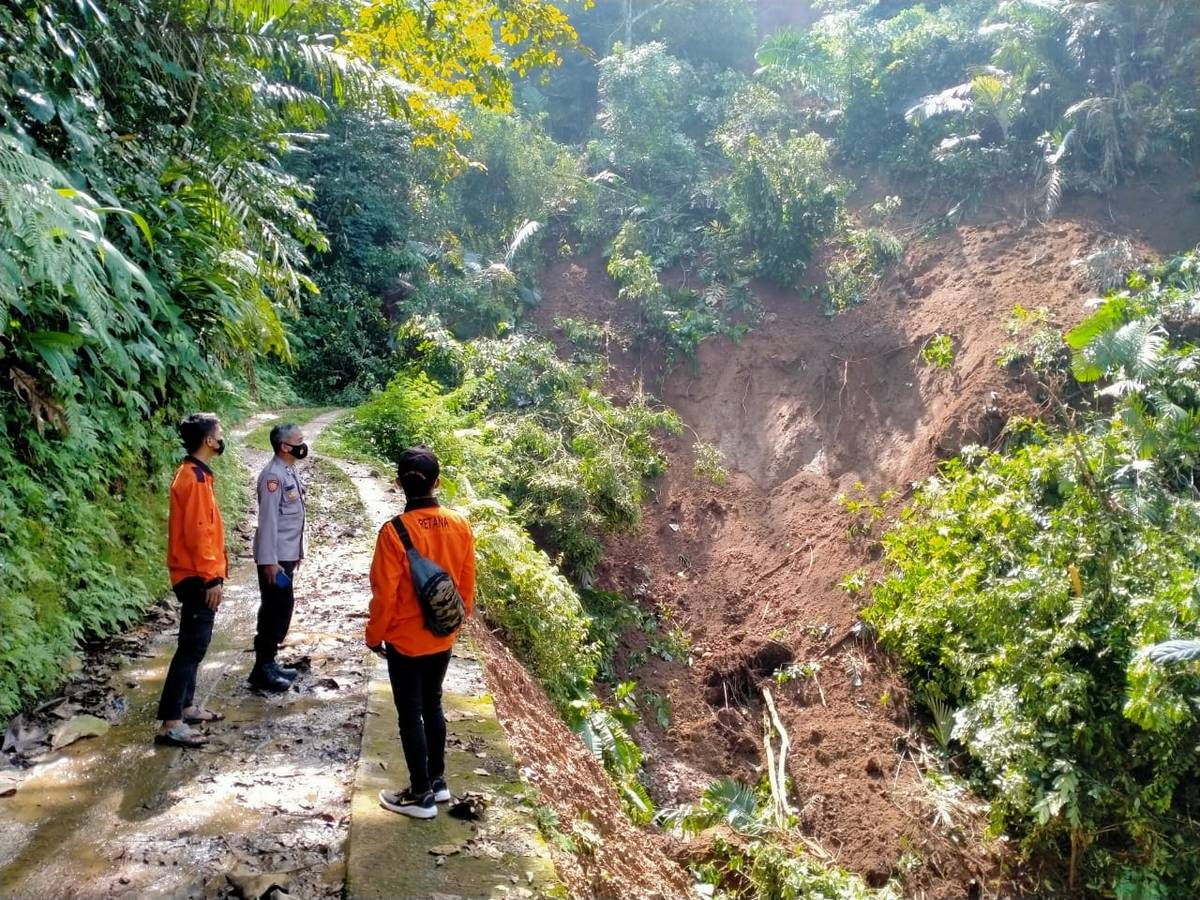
(278, 550)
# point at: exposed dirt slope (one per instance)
(803, 408)
(612, 859)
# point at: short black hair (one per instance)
(279, 432)
(195, 428)
(417, 470)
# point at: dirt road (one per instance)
(268, 800)
(267, 808)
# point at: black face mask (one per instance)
(299, 451)
(220, 446)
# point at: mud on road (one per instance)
(267, 801)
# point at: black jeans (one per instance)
(195, 632)
(417, 690)
(274, 615)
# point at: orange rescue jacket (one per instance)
(196, 533)
(439, 534)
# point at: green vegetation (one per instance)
(530, 446)
(710, 463)
(155, 243)
(520, 422)
(1065, 95)
(938, 352)
(1023, 586)
(223, 205)
(1034, 340)
(615, 617)
(761, 858)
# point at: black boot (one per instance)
(264, 678)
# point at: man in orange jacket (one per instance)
(198, 566)
(416, 658)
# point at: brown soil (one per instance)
(613, 858)
(803, 408)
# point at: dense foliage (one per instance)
(530, 446)
(1069, 94)
(367, 192)
(532, 427)
(1023, 586)
(153, 242)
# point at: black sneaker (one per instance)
(408, 804)
(266, 680)
(441, 792)
(282, 671)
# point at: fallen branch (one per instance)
(772, 774)
(787, 559)
(777, 779)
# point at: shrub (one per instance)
(1023, 586)
(784, 202)
(645, 98)
(863, 256)
(525, 424)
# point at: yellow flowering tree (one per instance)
(450, 52)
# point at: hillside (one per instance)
(804, 409)
(819, 381)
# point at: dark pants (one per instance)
(274, 615)
(195, 632)
(417, 690)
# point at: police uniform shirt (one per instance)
(280, 533)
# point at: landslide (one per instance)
(804, 408)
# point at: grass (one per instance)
(337, 440)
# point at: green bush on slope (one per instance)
(1023, 585)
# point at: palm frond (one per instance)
(1169, 652)
(952, 101)
(1052, 192)
(943, 719)
(523, 236)
(795, 55)
(734, 803)
(1098, 119)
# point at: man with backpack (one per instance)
(422, 589)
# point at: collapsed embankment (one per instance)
(803, 409)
